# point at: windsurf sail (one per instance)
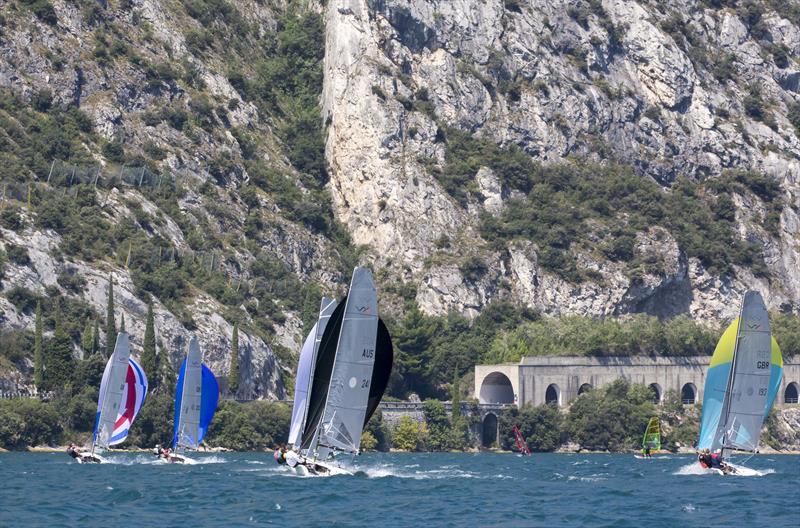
(196, 398)
(742, 381)
(305, 371)
(351, 372)
(123, 389)
(652, 435)
(521, 444)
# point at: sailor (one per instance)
(647, 452)
(704, 458)
(72, 451)
(716, 460)
(157, 450)
(280, 455)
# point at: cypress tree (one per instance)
(167, 373)
(60, 364)
(233, 376)
(96, 337)
(122, 323)
(87, 338)
(111, 325)
(460, 436)
(149, 356)
(38, 351)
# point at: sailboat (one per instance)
(196, 398)
(122, 393)
(651, 441)
(741, 384)
(521, 444)
(352, 360)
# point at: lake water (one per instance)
(419, 490)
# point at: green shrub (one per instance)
(540, 426)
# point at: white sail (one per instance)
(112, 388)
(346, 404)
(191, 394)
(748, 387)
(305, 371)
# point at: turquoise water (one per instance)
(420, 490)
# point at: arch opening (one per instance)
(689, 394)
(655, 388)
(496, 388)
(552, 396)
(792, 393)
(489, 434)
(586, 387)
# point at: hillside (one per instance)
(235, 160)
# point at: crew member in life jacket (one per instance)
(280, 455)
(72, 451)
(704, 457)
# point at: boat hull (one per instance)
(89, 458)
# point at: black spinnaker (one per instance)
(381, 371)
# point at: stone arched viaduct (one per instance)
(559, 380)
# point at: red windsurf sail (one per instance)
(521, 445)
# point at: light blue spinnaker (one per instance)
(196, 398)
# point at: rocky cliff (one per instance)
(436, 127)
(689, 89)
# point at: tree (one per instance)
(38, 351)
(96, 337)
(540, 425)
(379, 431)
(409, 434)
(60, 365)
(438, 438)
(149, 356)
(233, 376)
(460, 437)
(87, 338)
(368, 441)
(122, 323)
(111, 325)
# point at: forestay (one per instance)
(348, 393)
(196, 398)
(305, 371)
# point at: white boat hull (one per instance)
(89, 458)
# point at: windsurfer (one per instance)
(646, 452)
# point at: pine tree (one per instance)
(87, 338)
(460, 435)
(96, 337)
(111, 325)
(233, 376)
(60, 363)
(149, 356)
(38, 351)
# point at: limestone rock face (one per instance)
(646, 81)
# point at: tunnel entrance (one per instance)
(655, 388)
(552, 395)
(496, 388)
(790, 395)
(586, 387)
(689, 394)
(489, 436)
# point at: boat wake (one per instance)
(741, 471)
(412, 472)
